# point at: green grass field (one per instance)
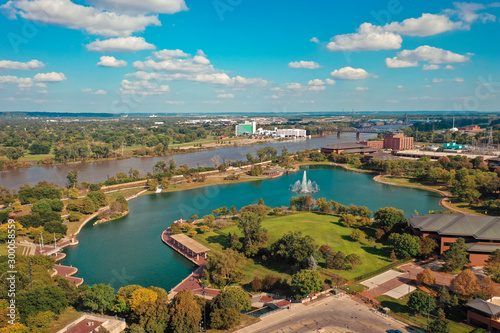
(323, 229)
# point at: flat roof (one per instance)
(479, 227)
(360, 150)
(190, 243)
(485, 307)
(85, 326)
(383, 157)
(346, 145)
(483, 247)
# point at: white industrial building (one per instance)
(283, 133)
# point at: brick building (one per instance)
(379, 144)
(398, 142)
(481, 233)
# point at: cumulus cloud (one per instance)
(316, 82)
(225, 96)
(471, 12)
(108, 61)
(22, 82)
(426, 25)
(86, 90)
(433, 55)
(430, 67)
(50, 77)
(314, 40)
(367, 38)
(449, 67)
(168, 54)
(144, 88)
(330, 81)
(174, 102)
(41, 85)
(175, 65)
(100, 92)
(68, 14)
(141, 6)
(212, 102)
(120, 44)
(304, 64)
(401, 86)
(349, 73)
(361, 88)
(456, 79)
(30, 65)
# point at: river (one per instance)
(96, 172)
(129, 250)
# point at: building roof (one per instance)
(485, 307)
(190, 243)
(346, 145)
(359, 150)
(85, 326)
(479, 227)
(494, 159)
(383, 157)
(483, 247)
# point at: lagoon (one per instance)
(129, 250)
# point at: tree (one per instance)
(222, 265)
(185, 312)
(487, 286)
(348, 220)
(335, 260)
(72, 178)
(88, 206)
(250, 225)
(492, 266)
(172, 165)
(440, 324)
(99, 297)
(456, 256)
(465, 283)
(323, 205)
(232, 210)
(352, 260)
(420, 302)
(465, 189)
(232, 298)
(358, 235)
(427, 246)
(426, 277)
(141, 296)
(222, 319)
(405, 245)
(41, 322)
(306, 282)
(73, 193)
(293, 247)
(261, 202)
(256, 284)
(40, 299)
(388, 217)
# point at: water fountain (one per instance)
(305, 187)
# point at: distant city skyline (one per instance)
(175, 56)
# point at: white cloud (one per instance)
(431, 67)
(314, 40)
(168, 54)
(107, 61)
(68, 14)
(330, 81)
(426, 25)
(469, 12)
(100, 92)
(401, 86)
(30, 65)
(449, 67)
(433, 55)
(212, 102)
(316, 88)
(367, 38)
(225, 96)
(304, 64)
(293, 86)
(456, 79)
(50, 77)
(174, 102)
(316, 82)
(349, 73)
(179, 66)
(361, 88)
(142, 6)
(275, 97)
(86, 90)
(41, 85)
(435, 80)
(22, 82)
(144, 88)
(43, 91)
(392, 101)
(120, 44)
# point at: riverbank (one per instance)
(445, 201)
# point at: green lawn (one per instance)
(324, 229)
(401, 311)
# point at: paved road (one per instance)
(331, 315)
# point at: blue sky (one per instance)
(248, 56)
